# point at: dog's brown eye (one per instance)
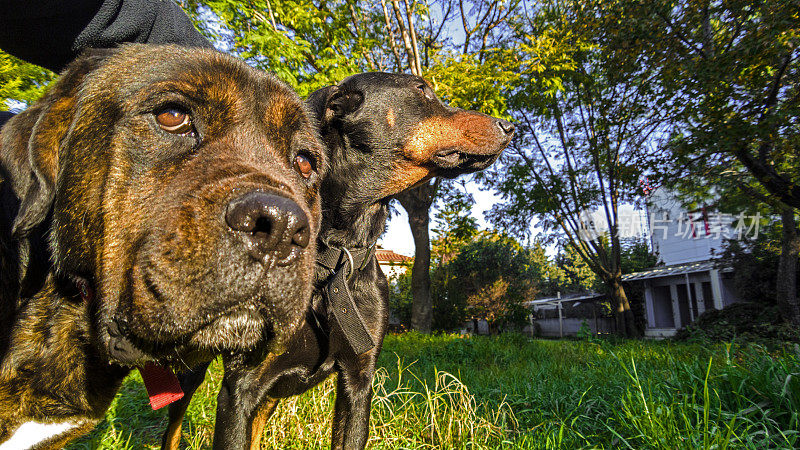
(424, 90)
(303, 165)
(175, 121)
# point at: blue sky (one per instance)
(398, 233)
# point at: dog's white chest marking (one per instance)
(31, 433)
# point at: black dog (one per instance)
(159, 206)
(384, 133)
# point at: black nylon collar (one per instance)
(342, 264)
(335, 259)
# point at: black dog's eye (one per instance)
(175, 120)
(302, 163)
(425, 91)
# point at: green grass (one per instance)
(450, 392)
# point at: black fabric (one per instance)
(4, 116)
(335, 258)
(338, 297)
(51, 33)
(349, 319)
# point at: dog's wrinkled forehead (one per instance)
(215, 81)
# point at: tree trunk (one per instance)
(417, 203)
(786, 288)
(421, 311)
(625, 319)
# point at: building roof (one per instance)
(668, 271)
(551, 302)
(386, 256)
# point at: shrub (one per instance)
(755, 266)
(491, 277)
(746, 321)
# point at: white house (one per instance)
(689, 283)
(392, 264)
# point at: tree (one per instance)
(636, 256)
(417, 203)
(492, 275)
(755, 266)
(572, 274)
(587, 128)
(455, 226)
(732, 70)
(309, 45)
(736, 191)
(467, 75)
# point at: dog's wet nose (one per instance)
(269, 223)
(505, 126)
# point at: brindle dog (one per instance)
(159, 205)
(384, 133)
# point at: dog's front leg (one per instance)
(237, 404)
(190, 381)
(353, 402)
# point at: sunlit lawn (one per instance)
(510, 391)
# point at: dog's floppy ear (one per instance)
(42, 164)
(333, 102)
(344, 102)
(45, 124)
(317, 102)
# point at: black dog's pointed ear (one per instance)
(333, 102)
(30, 143)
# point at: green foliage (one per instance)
(507, 391)
(454, 225)
(585, 331)
(742, 322)
(307, 45)
(477, 274)
(449, 313)
(755, 265)
(636, 256)
(571, 273)
(20, 81)
(471, 83)
(490, 278)
(732, 70)
(400, 297)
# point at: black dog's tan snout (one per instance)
(269, 225)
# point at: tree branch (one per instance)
(392, 41)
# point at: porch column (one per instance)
(716, 288)
(701, 301)
(649, 304)
(689, 302)
(676, 306)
